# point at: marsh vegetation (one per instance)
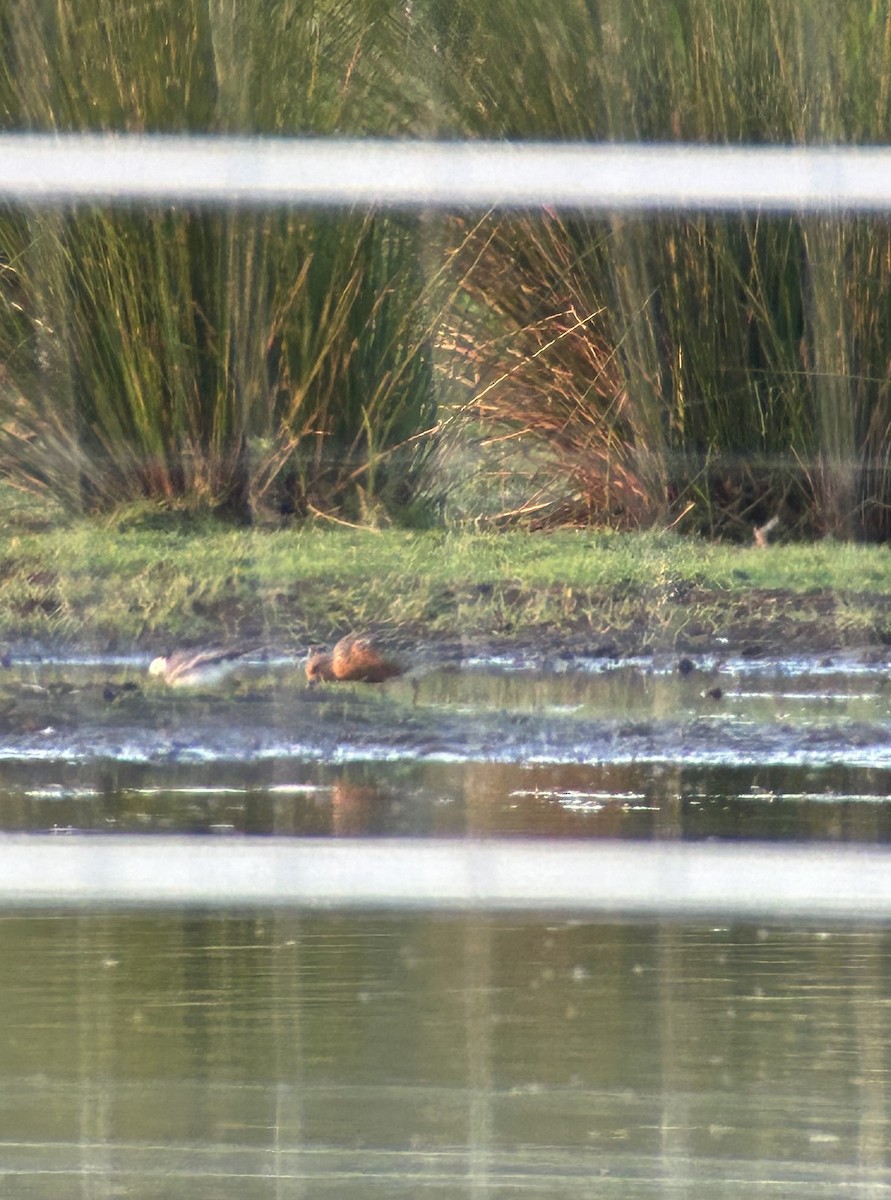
(519, 370)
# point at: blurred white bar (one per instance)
(48, 169)
(644, 879)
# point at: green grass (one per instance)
(122, 585)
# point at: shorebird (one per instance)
(356, 658)
(197, 668)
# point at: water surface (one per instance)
(574, 748)
(278, 1055)
(287, 1054)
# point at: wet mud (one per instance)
(491, 709)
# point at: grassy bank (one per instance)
(126, 586)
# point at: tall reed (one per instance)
(712, 371)
(210, 359)
(736, 368)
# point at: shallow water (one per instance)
(587, 748)
(289, 1054)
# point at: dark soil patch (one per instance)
(546, 625)
(772, 624)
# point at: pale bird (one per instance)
(197, 668)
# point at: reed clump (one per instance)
(709, 371)
(706, 372)
(217, 361)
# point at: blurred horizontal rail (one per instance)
(50, 169)
(606, 878)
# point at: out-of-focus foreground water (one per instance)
(279, 1055)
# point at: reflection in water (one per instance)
(279, 1055)
(629, 800)
(592, 749)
